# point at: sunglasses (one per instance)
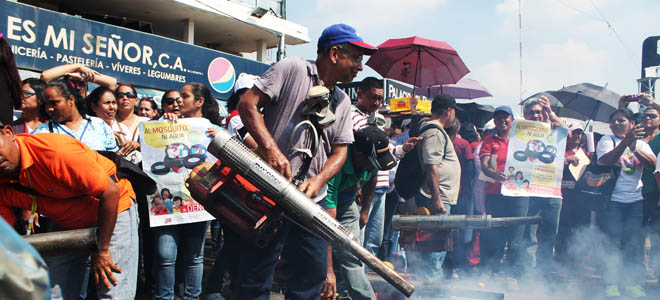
(128, 95)
(533, 112)
(170, 100)
(27, 93)
(650, 116)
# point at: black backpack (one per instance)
(411, 172)
(142, 183)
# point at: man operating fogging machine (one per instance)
(282, 129)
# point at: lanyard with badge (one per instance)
(71, 135)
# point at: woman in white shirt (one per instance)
(622, 220)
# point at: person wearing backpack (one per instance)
(440, 186)
(493, 160)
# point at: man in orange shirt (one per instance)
(76, 188)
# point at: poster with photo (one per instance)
(170, 150)
(535, 160)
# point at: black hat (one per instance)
(374, 143)
(442, 101)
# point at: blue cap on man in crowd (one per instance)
(505, 109)
(342, 33)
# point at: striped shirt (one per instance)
(360, 121)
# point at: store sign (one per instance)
(351, 89)
(42, 39)
(396, 89)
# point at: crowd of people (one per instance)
(55, 175)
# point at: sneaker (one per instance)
(636, 291)
(612, 291)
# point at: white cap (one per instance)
(574, 125)
(244, 81)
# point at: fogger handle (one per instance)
(382, 269)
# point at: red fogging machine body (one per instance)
(235, 202)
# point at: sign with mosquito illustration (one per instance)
(170, 150)
(535, 160)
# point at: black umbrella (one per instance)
(477, 114)
(557, 106)
(595, 102)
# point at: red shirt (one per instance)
(68, 174)
(231, 115)
(495, 145)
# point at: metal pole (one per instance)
(280, 47)
(64, 242)
(442, 222)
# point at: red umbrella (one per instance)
(418, 61)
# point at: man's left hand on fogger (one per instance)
(75, 187)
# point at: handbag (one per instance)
(597, 183)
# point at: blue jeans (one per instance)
(427, 264)
(350, 275)
(542, 237)
(373, 231)
(493, 240)
(622, 223)
(190, 239)
(67, 272)
(216, 234)
(306, 253)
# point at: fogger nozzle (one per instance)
(296, 205)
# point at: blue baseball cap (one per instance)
(505, 109)
(342, 33)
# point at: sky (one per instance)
(564, 42)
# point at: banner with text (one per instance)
(42, 39)
(170, 150)
(535, 160)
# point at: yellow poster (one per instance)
(535, 160)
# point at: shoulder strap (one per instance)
(436, 126)
(21, 188)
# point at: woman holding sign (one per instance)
(622, 220)
(493, 160)
(195, 102)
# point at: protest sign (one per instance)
(170, 150)
(535, 160)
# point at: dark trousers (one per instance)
(652, 226)
(575, 215)
(458, 258)
(225, 261)
(305, 253)
(147, 250)
(622, 223)
(493, 240)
